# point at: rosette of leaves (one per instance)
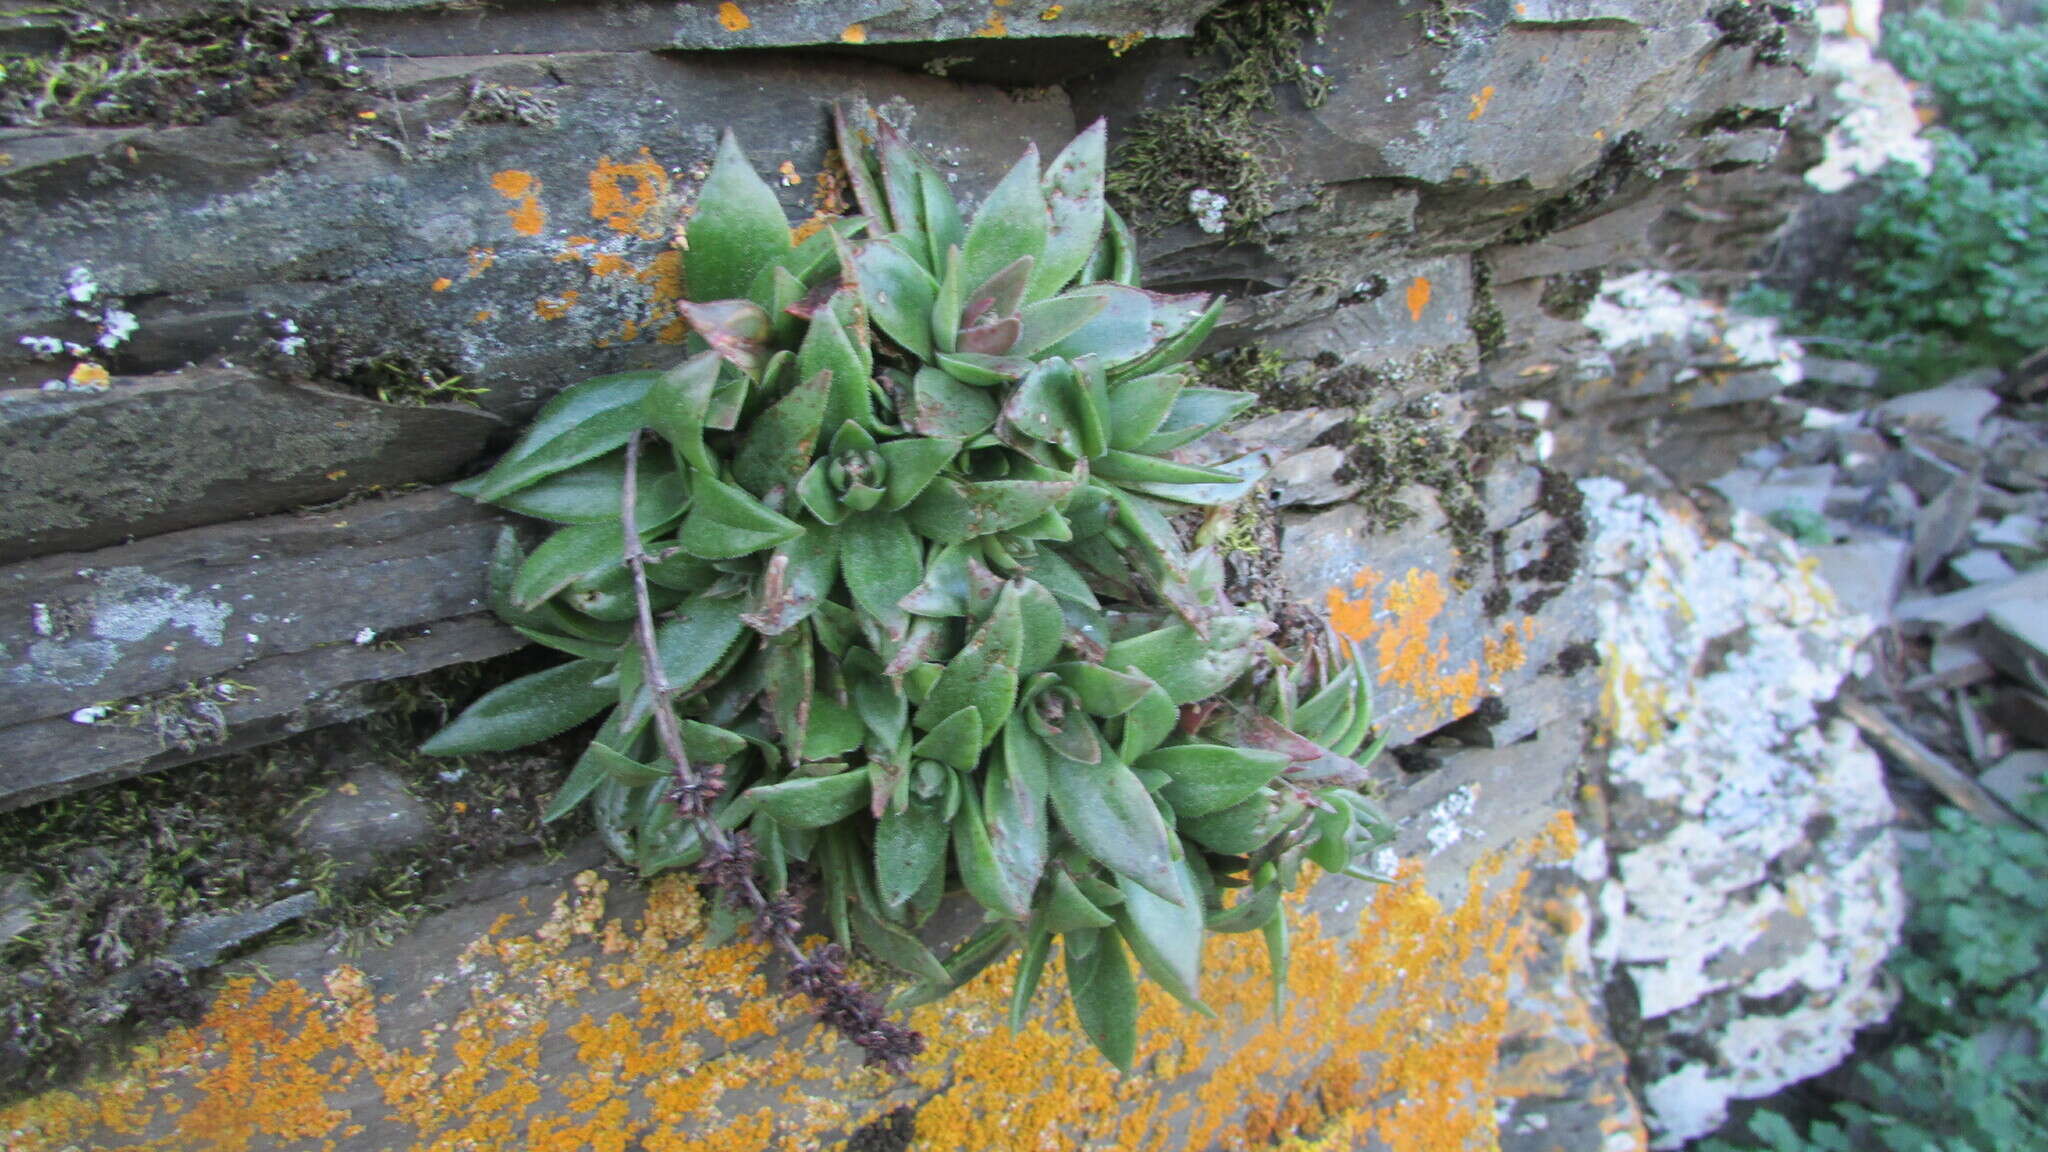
(901, 544)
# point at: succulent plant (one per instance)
(895, 596)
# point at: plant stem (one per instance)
(838, 1002)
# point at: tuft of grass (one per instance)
(115, 69)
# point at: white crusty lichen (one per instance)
(1759, 864)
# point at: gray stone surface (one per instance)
(160, 453)
(219, 239)
(291, 611)
(369, 813)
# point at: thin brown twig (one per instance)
(728, 859)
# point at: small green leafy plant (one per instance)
(881, 586)
(1950, 268)
(1963, 1067)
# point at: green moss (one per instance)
(114, 871)
(1216, 139)
(187, 718)
(115, 69)
(1489, 327)
(1388, 451)
(1623, 161)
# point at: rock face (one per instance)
(233, 342)
(1751, 879)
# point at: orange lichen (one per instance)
(854, 34)
(527, 216)
(480, 261)
(1480, 100)
(442, 284)
(732, 19)
(584, 1029)
(87, 374)
(1418, 297)
(483, 316)
(996, 26)
(555, 307)
(626, 194)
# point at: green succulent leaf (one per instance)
(1067, 909)
(883, 562)
(589, 493)
(1011, 224)
(1047, 322)
(912, 464)
(984, 674)
(898, 292)
(1137, 407)
(799, 576)
(578, 552)
(1108, 813)
(944, 229)
(909, 846)
(1104, 692)
(983, 371)
(956, 740)
(784, 437)
(530, 708)
(1030, 969)
(1208, 778)
(894, 946)
(1104, 993)
(583, 422)
(1188, 666)
(944, 407)
(1166, 935)
(1186, 336)
(1195, 413)
(737, 330)
(952, 511)
(737, 231)
(1074, 186)
(812, 801)
(980, 872)
(1121, 331)
(829, 347)
(1014, 806)
(725, 523)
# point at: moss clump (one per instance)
(1567, 296)
(187, 718)
(182, 70)
(1489, 327)
(1388, 451)
(1623, 161)
(1215, 139)
(113, 872)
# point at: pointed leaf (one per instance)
(1209, 777)
(1002, 294)
(980, 873)
(677, 404)
(798, 576)
(909, 845)
(882, 561)
(983, 371)
(1184, 339)
(1067, 909)
(578, 552)
(952, 511)
(1120, 332)
(1137, 406)
(1195, 413)
(589, 493)
(956, 741)
(944, 230)
(736, 329)
(737, 230)
(1106, 811)
(894, 946)
(944, 407)
(984, 674)
(726, 523)
(583, 422)
(1187, 666)
(899, 293)
(1048, 322)
(1105, 692)
(943, 590)
(1011, 223)
(1166, 935)
(812, 801)
(528, 709)
(913, 461)
(1074, 184)
(1030, 968)
(1104, 995)
(829, 347)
